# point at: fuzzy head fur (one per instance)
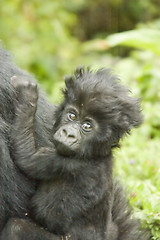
(101, 95)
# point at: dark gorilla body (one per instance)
(76, 196)
(15, 187)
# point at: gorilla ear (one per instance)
(130, 114)
(127, 117)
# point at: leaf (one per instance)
(147, 39)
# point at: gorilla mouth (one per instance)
(63, 149)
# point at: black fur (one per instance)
(15, 187)
(76, 195)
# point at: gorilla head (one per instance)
(97, 111)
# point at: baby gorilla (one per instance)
(76, 197)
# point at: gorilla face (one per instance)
(76, 127)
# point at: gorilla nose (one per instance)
(69, 132)
(67, 135)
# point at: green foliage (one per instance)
(137, 163)
(138, 160)
(98, 18)
(37, 33)
(138, 166)
(147, 39)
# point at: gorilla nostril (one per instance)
(65, 132)
(70, 135)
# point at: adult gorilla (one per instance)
(15, 187)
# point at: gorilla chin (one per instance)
(63, 149)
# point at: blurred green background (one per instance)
(50, 38)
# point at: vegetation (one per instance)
(50, 38)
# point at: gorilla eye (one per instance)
(87, 126)
(72, 116)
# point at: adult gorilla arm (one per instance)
(8, 100)
(15, 187)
